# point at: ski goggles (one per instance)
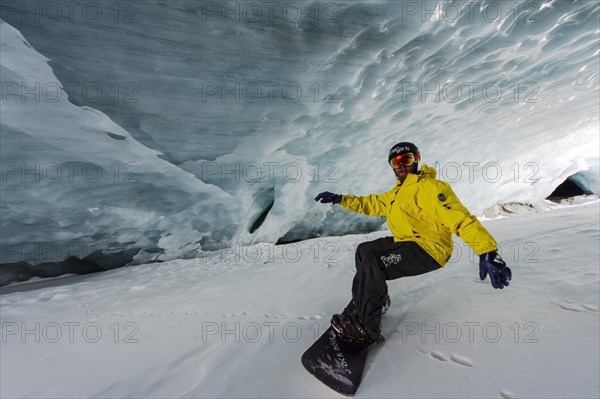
(405, 160)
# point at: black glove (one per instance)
(491, 263)
(327, 197)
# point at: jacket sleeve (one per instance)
(456, 217)
(372, 205)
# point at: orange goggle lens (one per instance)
(403, 160)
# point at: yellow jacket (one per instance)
(426, 211)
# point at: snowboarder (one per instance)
(422, 214)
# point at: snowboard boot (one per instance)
(351, 330)
(350, 310)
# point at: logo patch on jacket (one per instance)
(442, 197)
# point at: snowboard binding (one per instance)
(351, 331)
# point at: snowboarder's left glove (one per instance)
(327, 197)
(491, 263)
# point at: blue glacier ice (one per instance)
(138, 131)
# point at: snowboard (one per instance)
(336, 363)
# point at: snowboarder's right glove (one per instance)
(327, 197)
(491, 263)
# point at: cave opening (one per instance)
(567, 189)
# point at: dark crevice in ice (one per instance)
(568, 188)
(94, 262)
(264, 200)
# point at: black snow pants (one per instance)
(377, 261)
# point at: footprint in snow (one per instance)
(463, 361)
(421, 350)
(438, 355)
(442, 357)
(568, 306)
(316, 317)
(276, 316)
(227, 315)
(507, 394)
(575, 307)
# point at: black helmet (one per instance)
(404, 148)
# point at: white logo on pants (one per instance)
(392, 259)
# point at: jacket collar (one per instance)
(425, 173)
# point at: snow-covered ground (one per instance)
(234, 324)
